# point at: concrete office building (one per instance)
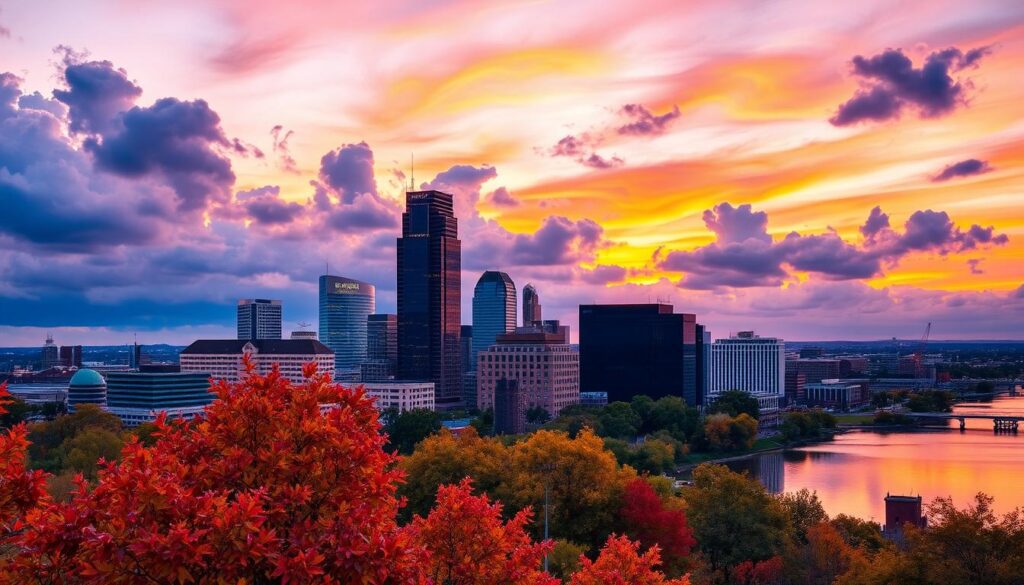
(259, 319)
(50, 355)
(753, 364)
(430, 295)
(139, 397)
(543, 365)
(401, 395)
(222, 358)
(494, 310)
(345, 305)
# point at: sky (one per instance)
(809, 170)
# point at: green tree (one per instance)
(406, 429)
(861, 534)
(804, 509)
(642, 405)
(575, 418)
(564, 559)
(670, 413)
(82, 453)
(537, 415)
(734, 403)
(17, 411)
(619, 420)
(733, 518)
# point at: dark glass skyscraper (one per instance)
(627, 350)
(494, 310)
(430, 295)
(531, 305)
(345, 305)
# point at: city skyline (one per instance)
(803, 179)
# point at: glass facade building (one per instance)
(626, 350)
(259, 319)
(494, 310)
(138, 397)
(531, 305)
(430, 295)
(345, 305)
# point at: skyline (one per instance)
(809, 173)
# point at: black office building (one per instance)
(430, 295)
(626, 350)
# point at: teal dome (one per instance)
(87, 377)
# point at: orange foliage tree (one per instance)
(620, 563)
(266, 488)
(468, 544)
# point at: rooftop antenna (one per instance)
(412, 171)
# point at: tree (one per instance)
(859, 533)
(652, 523)
(767, 572)
(804, 509)
(468, 544)
(733, 518)
(727, 433)
(537, 415)
(734, 403)
(50, 440)
(265, 488)
(17, 410)
(621, 564)
(86, 451)
(21, 489)
(826, 556)
(564, 559)
(408, 428)
(670, 413)
(618, 420)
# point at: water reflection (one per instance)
(853, 473)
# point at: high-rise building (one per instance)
(703, 362)
(221, 359)
(545, 368)
(135, 356)
(753, 364)
(259, 319)
(531, 305)
(494, 310)
(51, 353)
(71, 356)
(627, 350)
(509, 408)
(381, 348)
(139, 397)
(466, 348)
(430, 295)
(345, 306)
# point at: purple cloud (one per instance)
(891, 84)
(581, 149)
(604, 274)
(964, 168)
(366, 212)
(348, 170)
(96, 93)
(737, 224)
(558, 241)
(265, 206)
(643, 122)
(596, 161)
(975, 265)
(282, 150)
(877, 221)
(569, 146)
(500, 197)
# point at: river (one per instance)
(853, 472)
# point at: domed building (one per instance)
(86, 387)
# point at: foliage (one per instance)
(537, 415)
(16, 411)
(826, 556)
(811, 424)
(734, 403)
(858, 533)
(887, 418)
(468, 544)
(733, 518)
(930, 401)
(75, 442)
(564, 559)
(619, 420)
(652, 522)
(804, 510)
(723, 432)
(621, 564)
(408, 428)
(653, 455)
(264, 488)
(766, 572)
(21, 489)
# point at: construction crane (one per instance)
(919, 354)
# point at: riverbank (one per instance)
(762, 446)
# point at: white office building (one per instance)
(401, 395)
(753, 364)
(259, 319)
(222, 358)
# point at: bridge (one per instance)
(1000, 422)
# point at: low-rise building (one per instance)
(222, 359)
(838, 394)
(401, 395)
(139, 397)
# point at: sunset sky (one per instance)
(790, 167)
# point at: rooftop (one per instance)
(263, 346)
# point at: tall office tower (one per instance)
(259, 319)
(531, 305)
(703, 362)
(494, 310)
(466, 348)
(430, 295)
(345, 306)
(627, 350)
(50, 354)
(135, 357)
(71, 356)
(754, 364)
(381, 348)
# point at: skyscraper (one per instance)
(381, 348)
(531, 305)
(345, 305)
(627, 350)
(259, 319)
(430, 295)
(494, 310)
(71, 356)
(50, 354)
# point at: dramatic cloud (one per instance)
(348, 170)
(643, 122)
(96, 93)
(282, 150)
(500, 197)
(37, 101)
(265, 206)
(964, 168)
(604, 274)
(891, 84)
(558, 241)
(745, 255)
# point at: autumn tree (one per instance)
(730, 433)
(826, 556)
(21, 489)
(653, 523)
(265, 488)
(804, 510)
(468, 544)
(734, 403)
(620, 563)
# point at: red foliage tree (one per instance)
(20, 489)
(468, 543)
(648, 520)
(621, 564)
(266, 488)
(766, 572)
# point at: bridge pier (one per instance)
(1004, 425)
(963, 424)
